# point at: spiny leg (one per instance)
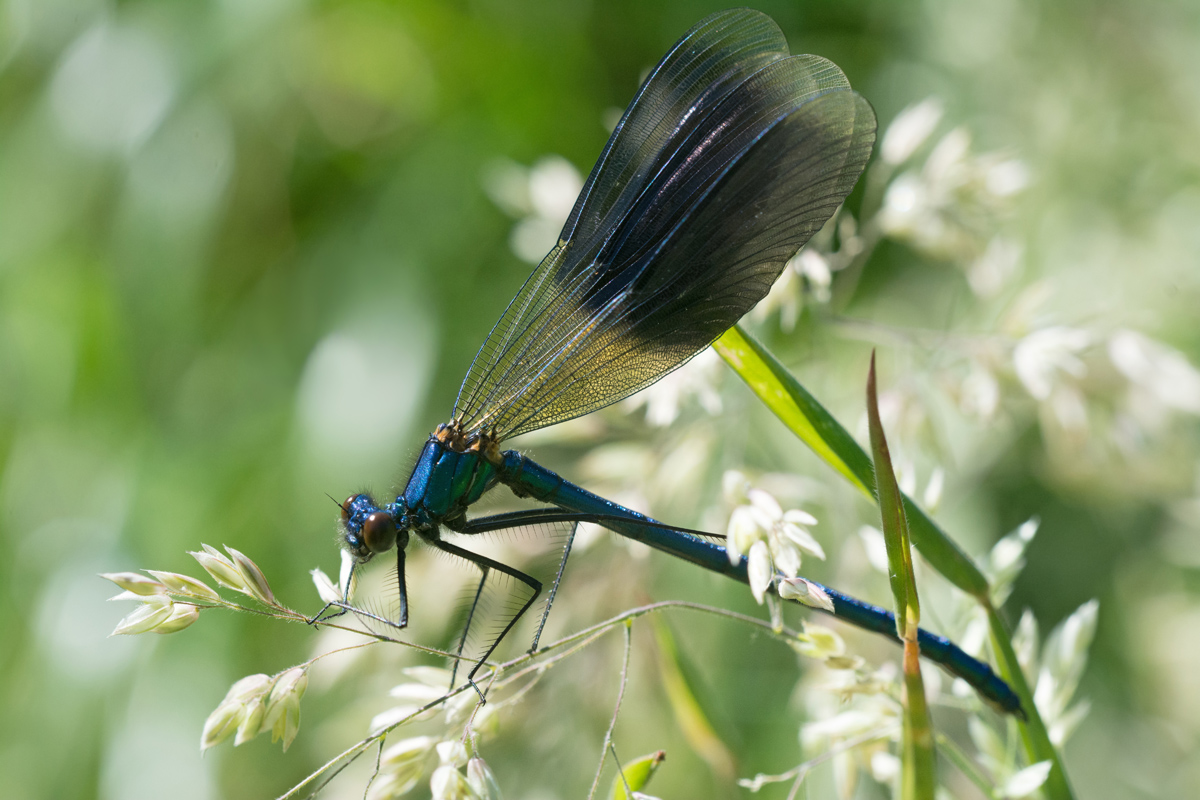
(462, 641)
(547, 516)
(344, 604)
(485, 563)
(562, 565)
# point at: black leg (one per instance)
(545, 516)
(462, 641)
(541, 516)
(562, 565)
(486, 564)
(345, 606)
(400, 551)
(342, 606)
(320, 617)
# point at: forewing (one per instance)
(744, 182)
(707, 63)
(704, 66)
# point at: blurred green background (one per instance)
(249, 247)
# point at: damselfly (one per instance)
(730, 157)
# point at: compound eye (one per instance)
(379, 532)
(346, 508)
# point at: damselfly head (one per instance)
(366, 528)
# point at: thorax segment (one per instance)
(446, 480)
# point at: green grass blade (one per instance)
(1034, 736)
(895, 526)
(689, 713)
(919, 778)
(782, 393)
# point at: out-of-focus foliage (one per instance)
(248, 249)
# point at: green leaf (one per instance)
(1034, 736)
(688, 712)
(782, 393)
(920, 763)
(636, 774)
(895, 526)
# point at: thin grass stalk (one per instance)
(919, 777)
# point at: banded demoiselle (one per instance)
(732, 154)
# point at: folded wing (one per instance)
(730, 158)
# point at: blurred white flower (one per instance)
(784, 535)
(906, 473)
(806, 592)
(909, 130)
(253, 579)
(326, 590)
(1025, 641)
(734, 487)
(481, 780)
(533, 237)
(947, 167)
(428, 686)
(932, 497)
(135, 583)
(242, 710)
(885, 767)
(1043, 354)
(448, 783)
(329, 591)
(391, 785)
(979, 395)
(1068, 409)
(539, 197)
(1007, 559)
(506, 184)
(397, 714)
(554, 183)
(878, 686)
(760, 570)
(875, 714)
(819, 642)
(184, 585)
(989, 273)
(1063, 660)
(991, 750)
(1160, 371)
(1025, 782)
(283, 707)
(875, 547)
(905, 206)
(157, 613)
(452, 753)
(417, 693)
(407, 751)
(948, 207)
(401, 767)
(814, 267)
(1007, 177)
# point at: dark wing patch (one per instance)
(688, 218)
